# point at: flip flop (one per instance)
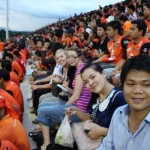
(33, 134)
(33, 111)
(35, 121)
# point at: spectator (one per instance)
(6, 64)
(15, 66)
(47, 115)
(147, 17)
(11, 129)
(8, 85)
(17, 57)
(130, 124)
(138, 45)
(103, 92)
(131, 12)
(126, 24)
(116, 46)
(103, 41)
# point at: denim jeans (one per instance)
(52, 113)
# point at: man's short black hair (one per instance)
(102, 25)
(140, 63)
(132, 7)
(141, 25)
(9, 55)
(147, 4)
(4, 74)
(56, 46)
(6, 64)
(116, 25)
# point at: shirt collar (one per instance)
(125, 111)
(147, 118)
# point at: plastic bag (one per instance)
(82, 140)
(64, 134)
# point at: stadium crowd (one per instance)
(101, 61)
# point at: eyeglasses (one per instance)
(72, 57)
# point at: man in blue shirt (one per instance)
(130, 125)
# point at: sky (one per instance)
(29, 15)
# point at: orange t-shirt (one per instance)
(148, 25)
(74, 38)
(135, 49)
(14, 78)
(2, 46)
(70, 41)
(126, 27)
(13, 131)
(16, 67)
(103, 20)
(17, 94)
(116, 50)
(15, 111)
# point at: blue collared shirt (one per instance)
(119, 136)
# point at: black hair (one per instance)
(21, 46)
(94, 31)
(132, 7)
(116, 25)
(4, 74)
(99, 13)
(38, 53)
(16, 53)
(147, 4)
(141, 14)
(39, 39)
(9, 55)
(123, 17)
(141, 25)
(56, 46)
(102, 25)
(6, 64)
(94, 66)
(86, 35)
(121, 9)
(58, 32)
(46, 40)
(140, 63)
(99, 69)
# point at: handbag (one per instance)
(82, 140)
(64, 134)
(55, 89)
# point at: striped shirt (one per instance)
(85, 96)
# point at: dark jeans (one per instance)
(36, 95)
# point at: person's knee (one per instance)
(41, 111)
